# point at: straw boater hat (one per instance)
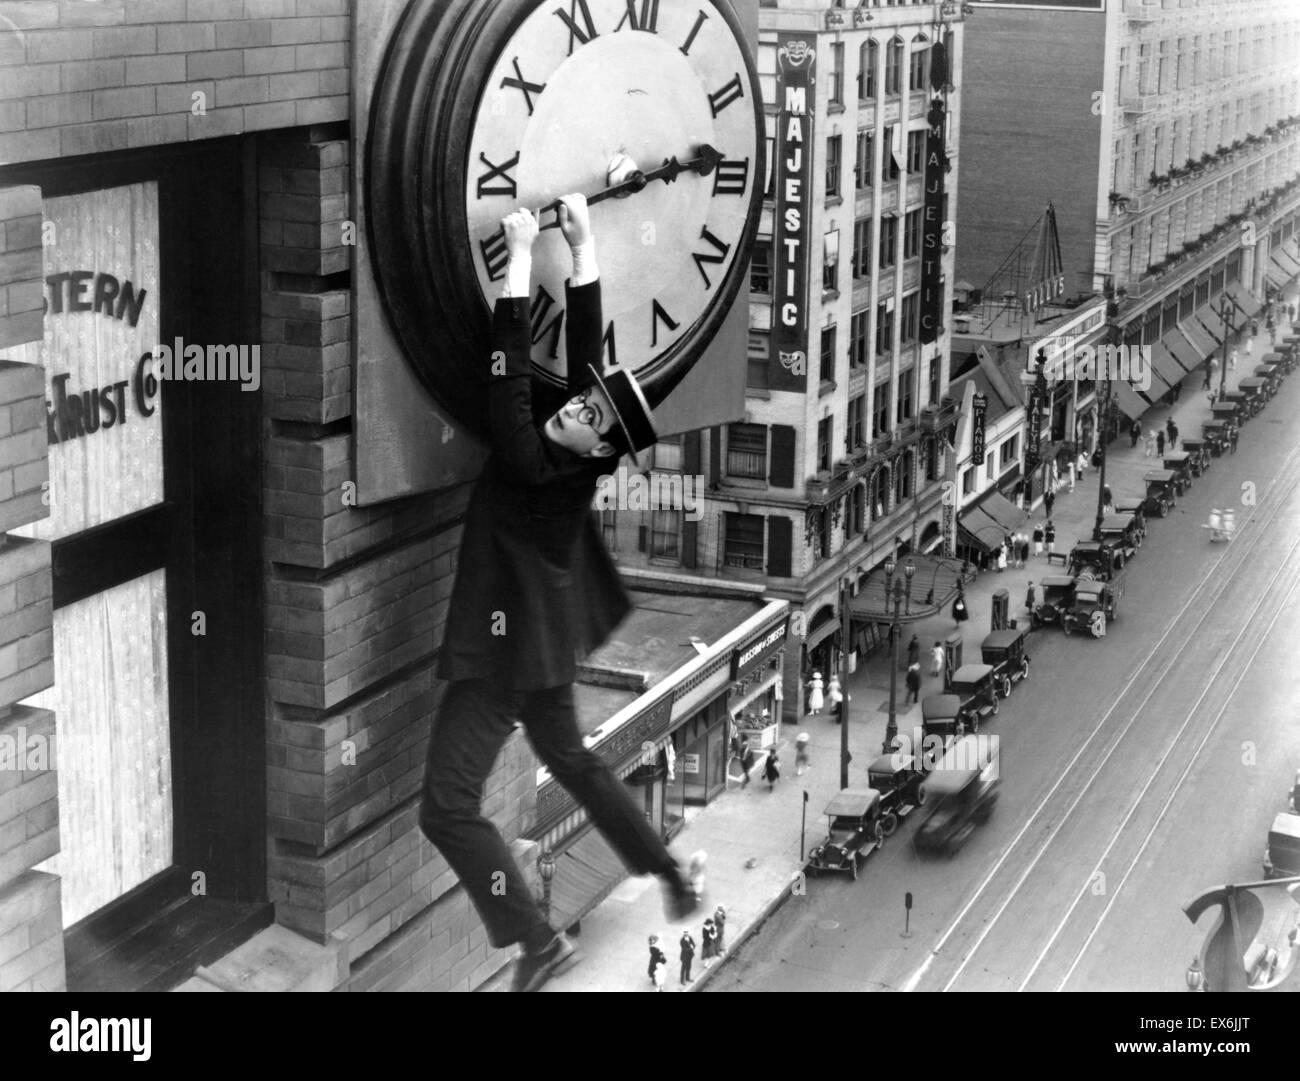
(631, 410)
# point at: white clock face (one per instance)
(576, 84)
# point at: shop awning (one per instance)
(980, 530)
(585, 874)
(1127, 400)
(1198, 336)
(998, 507)
(1209, 318)
(1245, 300)
(1276, 278)
(933, 585)
(1286, 262)
(818, 634)
(1164, 354)
(1160, 386)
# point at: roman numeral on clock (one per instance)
(537, 314)
(657, 313)
(509, 186)
(690, 38)
(719, 254)
(583, 33)
(520, 83)
(495, 255)
(648, 19)
(728, 93)
(731, 177)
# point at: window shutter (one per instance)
(781, 474)
(690, 542)
(691, 454)
(780, 536)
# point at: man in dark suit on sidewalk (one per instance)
(535, 591)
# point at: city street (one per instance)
(1136, 770)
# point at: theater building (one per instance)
(217, 643)
(840, 459)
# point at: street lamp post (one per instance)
(1224, 311)
(546, 868)
(845, 631)
(1103, 427)
(895, 589)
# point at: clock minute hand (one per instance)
(705, 161)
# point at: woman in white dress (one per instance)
(815, 700)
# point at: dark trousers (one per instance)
(686, 968)
(474, 721)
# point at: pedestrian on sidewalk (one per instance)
(815, 699)
(772, 769)
(1023, 550)
(687, 955)
(720, 923)
(913, 652)
(1049, 536)
(1177, 391)
(914, 681)
(936, 660)
(801, 754)
(1250, 345)
(1038, 540)
(743, 754)
(1107, 500)
(1171, 430)
(1081, 466)
(657, 958)
(1160, 443)
(709, 942)
(1048, 500)
(959, 612)
(1002, 557)
(834, 698)
(1134, 433)
(1232, 360)
(1149, 445)
(695, 876)
(1031, 598)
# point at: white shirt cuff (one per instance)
(518, 271)
(584, 262)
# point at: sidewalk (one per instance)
(752, 834)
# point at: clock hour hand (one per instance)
(705, 161)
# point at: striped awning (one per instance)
(1173, 349)
(1208, 315)
(586, 872)
(1127, 400)
(1200, 338)
(1243, 298)
(1160, 386)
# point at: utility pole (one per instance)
(845, 629)
(1225, 311)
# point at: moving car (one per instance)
(898, 780)
(1282, 850)
(1162, 492)
(855, 831)
(1005, 651)
(960, 793)
(1095, 604)
(1057, 594)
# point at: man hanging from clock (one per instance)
(535, 592)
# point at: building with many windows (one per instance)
(1167, 135)
(840, 458)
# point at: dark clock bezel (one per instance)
(430, 87)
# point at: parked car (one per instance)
(898, 780)
(1122, 533)
(1256, 391)
(1227, 411)
(1101, 559)
(1218, 435)
(960, 793)
(1199, 449)
(1271, 372)
(1241, 400)
(941, 716)
(1095, 604)
(1057, 594)
(1005, 651)
(1162, 492)
(1282, 850)
(855, 831)
(974, 685)
(1179, 462)
(1133, 505)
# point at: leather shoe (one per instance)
(532, 970)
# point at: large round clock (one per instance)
(651, 108)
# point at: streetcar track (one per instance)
(1212, 586)
(1178, 785)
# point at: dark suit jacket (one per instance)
(532, 561)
